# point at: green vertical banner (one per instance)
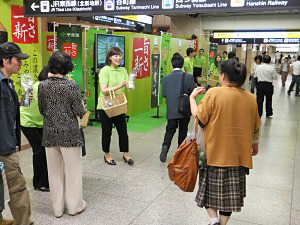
(69, 40)
(213, 51)
(90, 73)
(165, 52)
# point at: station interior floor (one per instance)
(144, 195)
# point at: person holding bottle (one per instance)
(112, 77)
(32, 128)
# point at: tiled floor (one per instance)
(143, 194)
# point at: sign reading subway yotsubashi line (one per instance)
(135, 7)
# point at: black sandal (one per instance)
(111, 162)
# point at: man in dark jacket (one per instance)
(171, 87)
(10, 63)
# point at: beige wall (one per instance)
(252, 22)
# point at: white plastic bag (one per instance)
(26, 82)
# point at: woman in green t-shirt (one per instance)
(115, 78)
(214, 72)
(32, 128)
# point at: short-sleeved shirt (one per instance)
(31, 116)
(230, 119)
(296, 68)
(111, 77)
(189, 63)
(199, 60)
(214, 70)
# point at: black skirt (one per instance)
(222, 188)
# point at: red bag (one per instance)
(183, 167)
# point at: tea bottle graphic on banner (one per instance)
(155, 56)
(3, 34)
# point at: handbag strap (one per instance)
(196, 125)
(182, 84)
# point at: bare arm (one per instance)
(194, 108)
(105, 89)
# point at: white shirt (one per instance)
(285, 68)
(266, 73)
(296, 68)
(277, 55)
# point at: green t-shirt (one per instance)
(189, 63)
(30, 116)
(199, 60)
(224, 59)
(111, 77)
(214, 71)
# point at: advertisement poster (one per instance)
(141, 57)
(155, 56)
(165, 46)
(69, 40)
(90, 67)
(213, 50)
(24, 29)
(104, 43)
(50, 43)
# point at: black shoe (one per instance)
(111, 162)
(269, 116)
(44, 189)
(163, 154)
(129, 161)
(289, 92)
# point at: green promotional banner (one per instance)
(165, 47)
(69, 40)
(90, 73)
(213, 50)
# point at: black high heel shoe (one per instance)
(111, 162)
(129, 161)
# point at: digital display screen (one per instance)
(103, 44)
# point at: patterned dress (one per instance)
(60, 104)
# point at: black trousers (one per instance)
(197, 73)
(171, 129)
(295, 80)
(264, 89)
(39, 161)
(121, 125)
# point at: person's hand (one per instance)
(198, 91)
(254, 149)
(123, 84)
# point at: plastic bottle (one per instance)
(131, 80)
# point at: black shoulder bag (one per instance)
(184, 100)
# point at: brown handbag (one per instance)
(183, 167)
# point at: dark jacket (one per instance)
(171, 86)
(60, 103)
(10, 132)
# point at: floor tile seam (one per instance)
(247, 221)
(127, 198)
(269, 188)
(149, 204)
(275, 164)
(292, 196)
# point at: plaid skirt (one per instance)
(222, 188)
